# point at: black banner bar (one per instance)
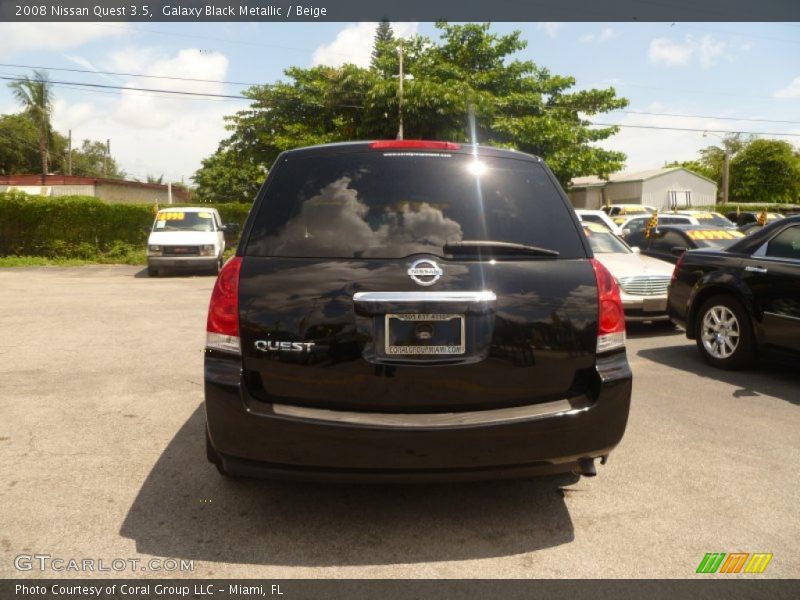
(716, 587)
(399, 10)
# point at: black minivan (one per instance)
(413, 311)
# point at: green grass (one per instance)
(119, 257)
(41, 261)
(120, 254)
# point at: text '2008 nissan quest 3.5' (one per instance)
(409, 310)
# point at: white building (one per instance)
(666, 189)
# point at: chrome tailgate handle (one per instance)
(482, 296)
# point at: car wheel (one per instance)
(724, 333)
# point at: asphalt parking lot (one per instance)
(101, 438)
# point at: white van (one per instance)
(186, 238)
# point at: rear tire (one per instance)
(724, 333)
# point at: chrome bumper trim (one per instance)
(433, 420)
(482, 296)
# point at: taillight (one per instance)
(222, 328)
(677, 268)
(409, 144)
(611, 317)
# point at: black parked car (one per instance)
(739, 300)
(747, 217)
(475, 336)
(667, 242)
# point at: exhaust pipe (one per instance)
(586, 467)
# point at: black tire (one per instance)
(218, 267)
(724, 333)
(151, 272)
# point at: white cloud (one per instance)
(710, 50)
(550, 28)
(154, 133)
(354, 43)
(37, 37)
(81, 62)
(670, 53)
(606, 34)
(153, 111)
(664, 51)
(790, 92)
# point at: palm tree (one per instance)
(36, 97)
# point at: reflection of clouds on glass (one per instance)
(335, 223)
(332, 222)
(420, 226)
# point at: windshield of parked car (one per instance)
(605, 242)
(184, 221)
(392, 204)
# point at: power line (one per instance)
(237, 97)
(657, 114)
(95, 72)
(137, 89)
(70, 86)
(693, 129)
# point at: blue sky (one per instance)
(720, 71)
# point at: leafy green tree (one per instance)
(467, 88)
(228, 177)
(90, 161)
(695, 166)
(19, 145)
(766, 171)
(384, 49)
(35, 96)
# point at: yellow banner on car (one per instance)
(171, 216)
(714, 234)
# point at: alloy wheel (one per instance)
(720, 332)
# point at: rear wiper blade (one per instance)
(497, 249)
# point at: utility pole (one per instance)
(105, 158)
(726, 163)
(69, 154)
(726, 167)
(400, 90)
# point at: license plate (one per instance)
(428, 334)
(654, 304)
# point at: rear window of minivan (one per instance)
(394, 204)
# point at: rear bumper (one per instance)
(251, 438)
(182, 262)
(644, 308)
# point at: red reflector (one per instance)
(410, 144)
(612, 315)
(223, 310)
